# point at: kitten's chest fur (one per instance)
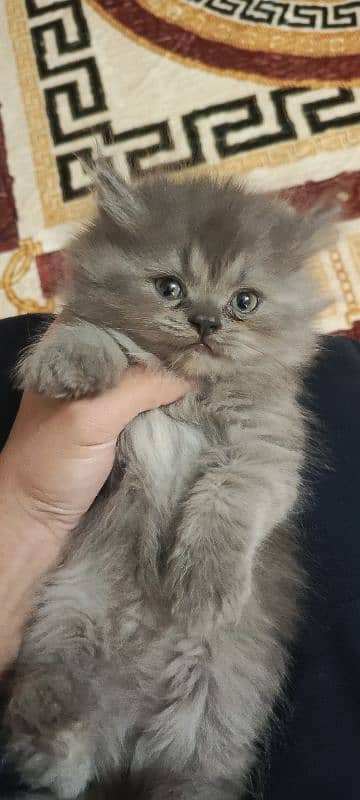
(162, 454)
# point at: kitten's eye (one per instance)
(244, 302)
(170, 288)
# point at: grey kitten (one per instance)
(159, 644)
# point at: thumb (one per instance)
(139, 389)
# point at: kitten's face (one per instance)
(203, 276)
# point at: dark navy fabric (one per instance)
(320, 754)
(15, 334)
(315, 752)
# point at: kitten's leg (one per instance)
(64, 721)
(72, 359)
(199, 743)
(228, 515)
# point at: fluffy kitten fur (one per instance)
(160, 643)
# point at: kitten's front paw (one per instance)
(72, 362)
(208, 583)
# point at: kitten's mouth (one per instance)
(200, 347)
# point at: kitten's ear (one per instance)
(301, 235)
(317, 230)
(116, 198)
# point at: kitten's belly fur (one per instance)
(161, 457)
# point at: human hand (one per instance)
(60, 453)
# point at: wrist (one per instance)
(29, 549)
(23, 528)
(27, 518)
(29, 512)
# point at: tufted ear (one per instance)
(299, 235)
(317, 229)
(115, 198)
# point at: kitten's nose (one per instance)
(204, 324)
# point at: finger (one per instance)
(152, 388)
(139, 389)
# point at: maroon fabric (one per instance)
(353, 333)
(342, 190)
(52, 269)
(184, 43)
(8, 217)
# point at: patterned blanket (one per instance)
(265, 89)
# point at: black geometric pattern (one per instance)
(70, 90)
(288, 15)
(222, 130)
(65, 45)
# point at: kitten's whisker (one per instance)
(265, 355)
(175, 361)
